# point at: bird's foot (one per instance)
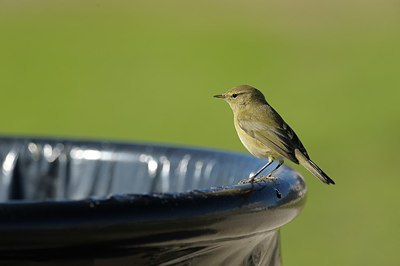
(256, 180)
(247, 181)
(268, 177)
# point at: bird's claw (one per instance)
(251, 180)
(247, 181)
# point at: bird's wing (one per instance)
(277, 136)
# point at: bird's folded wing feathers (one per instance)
(279, 137)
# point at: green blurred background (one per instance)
(147, 71)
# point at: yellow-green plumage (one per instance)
(263, 131)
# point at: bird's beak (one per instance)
(220, 96)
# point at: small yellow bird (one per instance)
(264, 133)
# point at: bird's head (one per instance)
(242, 96)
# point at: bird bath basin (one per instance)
(110, 203)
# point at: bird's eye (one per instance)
(234, 95)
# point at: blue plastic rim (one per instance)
(110, 202)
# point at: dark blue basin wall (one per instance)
(92, 203)
(37, 169)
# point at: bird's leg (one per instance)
(276, 168)
(251, 179)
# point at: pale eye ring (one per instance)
(234, 95)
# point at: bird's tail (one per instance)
(313, 168)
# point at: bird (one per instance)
(265, 134)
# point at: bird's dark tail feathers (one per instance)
(313, 168)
